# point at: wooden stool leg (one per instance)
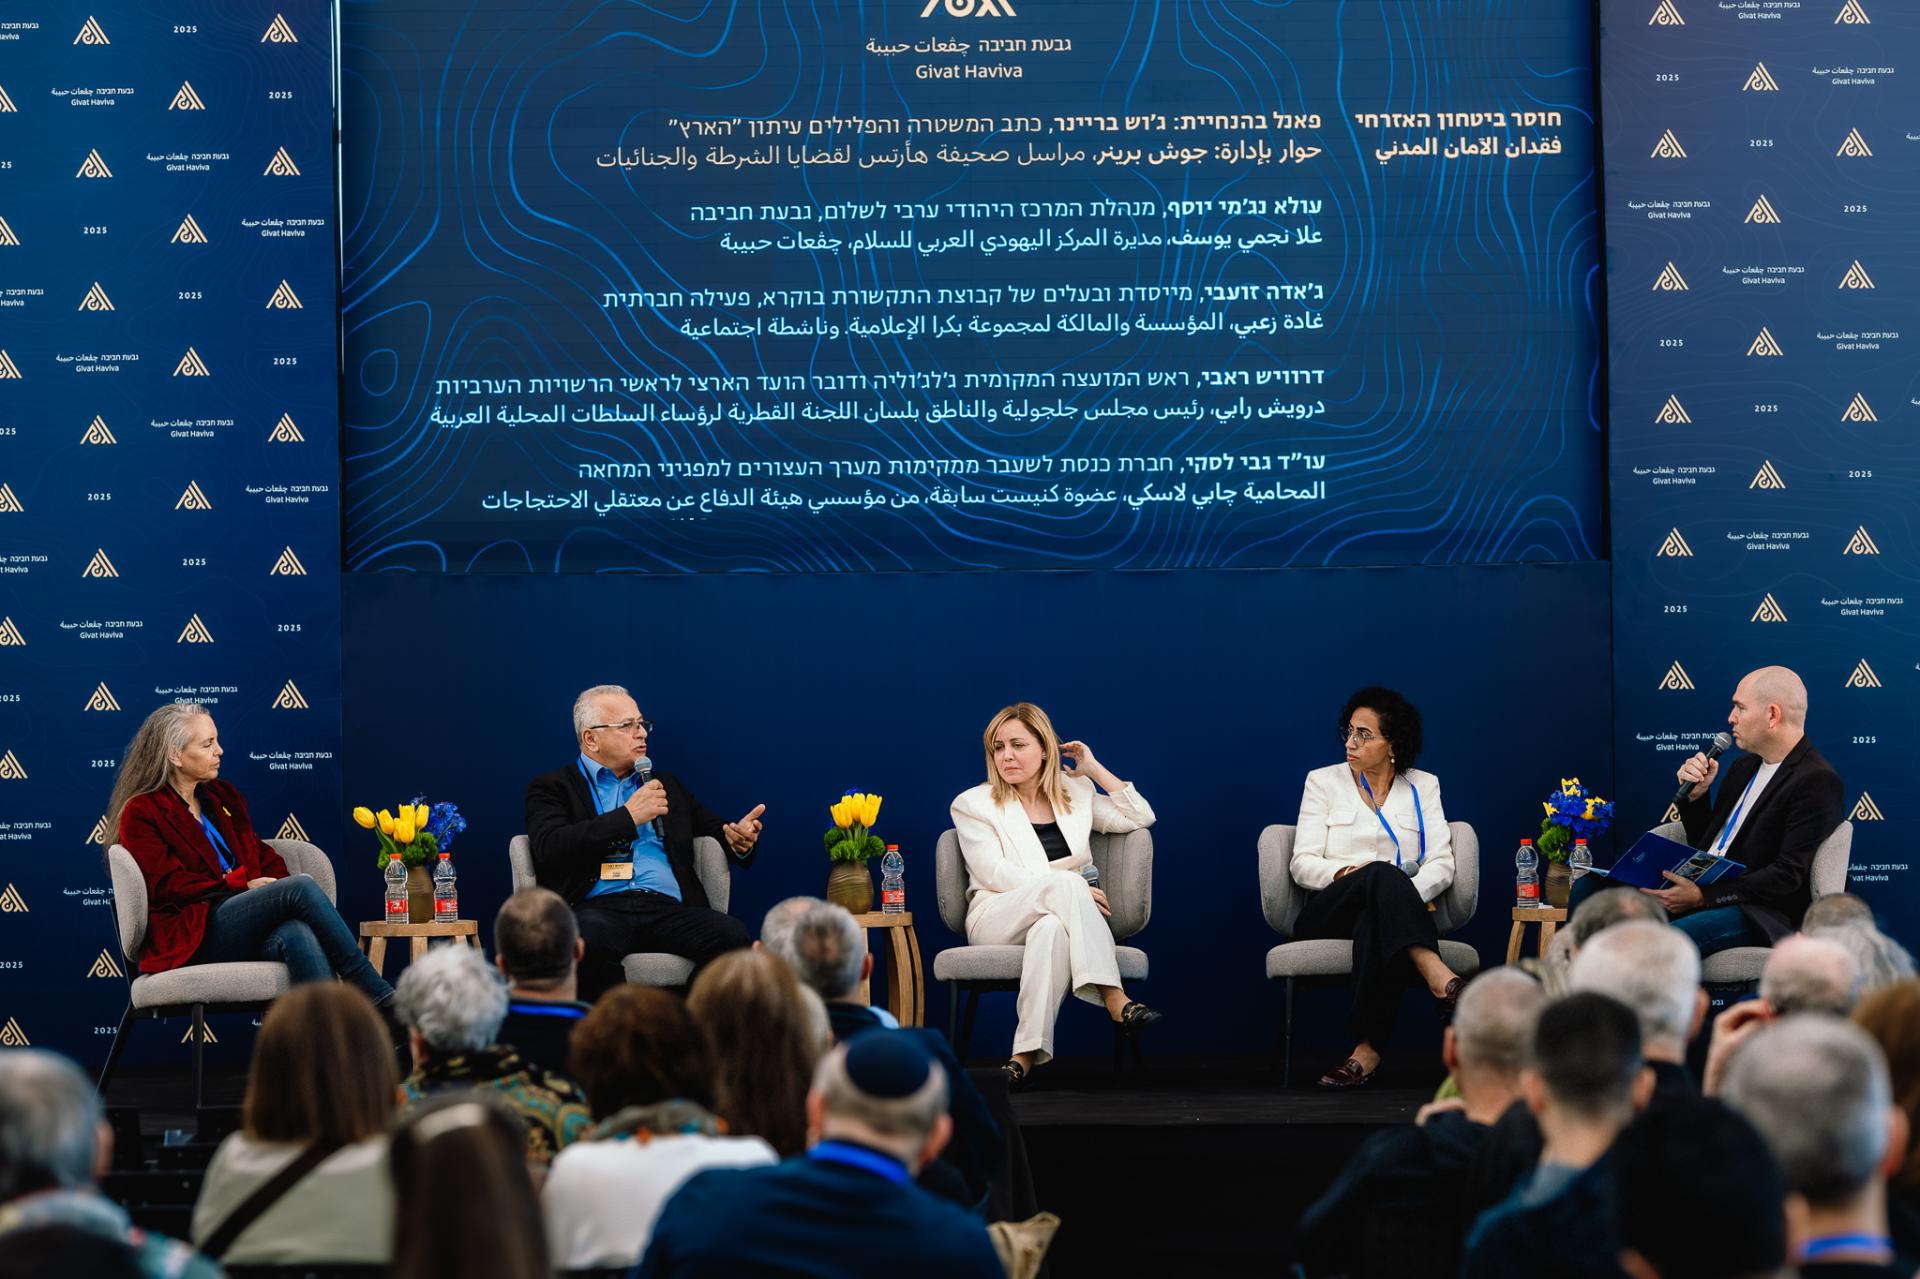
(377, 954)
(863, 993)
(418, 949)
(919, 978)
(899, 978)
(1513, 940)
(1546, 936)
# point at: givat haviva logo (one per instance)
(104, 966)
(102, 700)
(1863, 677)
(970, 8)
(1670, 281)
(1852, 14)
(11, 1036)
(1767, 477)
(1667, 15)
(1769, 611)
(1861, 543)
(10, 636)
(1675, 547)
(10, 768)
(91, 33)
(1763, 213)
(8, 239)
(189, 232)
(292, 829)
(12, 902)
(1859, 411)
(1866, 810)
(97, 432)
(195, 632)
(1672, 413)
(1676, 680)
(286, 432)
(279, 32)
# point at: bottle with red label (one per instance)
(1526, 877)
(396, 889)
(446, 895)
(893, 882)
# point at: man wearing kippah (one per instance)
(848, 1207)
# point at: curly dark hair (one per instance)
(638, 1046)
(1399, 722)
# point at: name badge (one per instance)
(616, 870)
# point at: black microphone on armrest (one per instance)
(644, 767)
(1720, 743)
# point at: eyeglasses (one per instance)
(1360, 735)
(628, 726)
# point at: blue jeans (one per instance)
(289, 920)
(1711, 931)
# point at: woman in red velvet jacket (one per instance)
(216, 892)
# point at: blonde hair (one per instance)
(145, 766)
(1040, 726)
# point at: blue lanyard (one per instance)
(220, 848)
(1418, 816)
(840, 1152)
(1734, 820)
(1825, 1244)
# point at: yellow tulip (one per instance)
(869, 809)
(403, 831)
(1547, 808)
(420, 815)
(842, 814)
(385, 819)
(363, 817)
(1569, 785)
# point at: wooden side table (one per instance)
(906, 980)
(1548, 917)
(375, 933)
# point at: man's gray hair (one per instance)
(904, 1119)
(1494, 1022)
(1882, 961)
(49, 1124)
(1612, 906)
(1816, 1088)
(454, 998)
(1652, 968)
(1835, 909)
(1810, 975)
(776, 926)
(586, 706)
(822, 944)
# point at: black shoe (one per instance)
(1016, 1075)
(1351, 1074)
(1136, 1017)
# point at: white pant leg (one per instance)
(1068, 946)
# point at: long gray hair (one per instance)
(145, 766)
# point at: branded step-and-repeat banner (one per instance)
(1762, 180)
(169, 447)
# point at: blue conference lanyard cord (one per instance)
(840, 1152)
(1825, 1245)
(1418, 815)
(1734, 820)
(220, 848)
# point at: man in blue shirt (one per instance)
(615, 840)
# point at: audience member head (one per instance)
(452, 1001)
(765, 1044)
(777, 925)
(1882, 961)
(884, 1090)
(157, 748)
(1809, 975)
(637, 1047)
(1655, 970)
(53, 1133)
(1394, 725)
(1816, 1087)
(1709, 1159)
(1769, 714)
(322, 1069)
(1022, 748)
(823, 945)
(1612, 906)
(1486, 1046)
(536, 942)
(1892, 1017)
(1584, 1066)
(464, 1203)
(1835, 910)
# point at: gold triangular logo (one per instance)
(1669, 148)
(96, 299)
(10, 769)
(8, 369)
(288, 565)
(100, 566)
(13, 903)
(1769, 611)
(1675, 547)
(1861, 543)
(285, 432)
(1763, 213)
(191, 365)
(93, 167)
(1764, 345)
(1854, 147)
(6, 103)
(97, 433)
(1666, 16)
(206, 1034)
(102, 700)
(1670, 281)
(1863, 676)
(1672, 413)
(192, 499)
(1761, 81)
(186, 99)
(8, 239)
(1856, 277)
(11, 1036)
(1852, 15)
(195, 632)
(91, 33)
(292, 829)
(282, 165)
(99, 832)
(279, 32)
(189, 232)
(1676, 680)
(1767, 478)
(9, 504)
(1859, 411)
(1866, 810)
(103, 966)
(290, 699)
(10, 636)
(1672, 814)
(284, 299)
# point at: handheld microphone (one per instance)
(644, 767)
(1720, 743)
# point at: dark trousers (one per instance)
(289, 920)
(1381, 910)
(620, 924)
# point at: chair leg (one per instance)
(199, 1033)
(953, 1018)
(113, 1053)
(1286, 1051)
(966, 1023)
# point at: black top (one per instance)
(1395, 1210)
(541, 1030)
(1052, 840)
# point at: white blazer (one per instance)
(1001, 850)
(1337, 830)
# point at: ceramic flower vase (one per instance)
(1559, 882)
(419, 895)
(850, 884)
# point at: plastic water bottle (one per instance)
(893, 882)
(396, 889)
(446, 897)
(1579, 861)
(1526, 877)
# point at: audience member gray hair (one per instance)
(1810, 975)
(1652, 968)
(776, 928)
(907, 1119)
(1608, 907)
(1836, 909)
(1816, 1088)
(1493, 1025)
(821, 943)
(453, 998)
(1882, 961)
(586, 707)
(50, 1120)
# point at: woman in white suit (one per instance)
(1024, 833)
(1373, 849)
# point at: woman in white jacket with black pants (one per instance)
(1024, 833)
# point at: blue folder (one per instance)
(1651, 854)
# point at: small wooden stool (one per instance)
(906, 980)
(375, 932)
(1548, 917)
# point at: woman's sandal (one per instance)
(1015, 1074)
(1136, 1017)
